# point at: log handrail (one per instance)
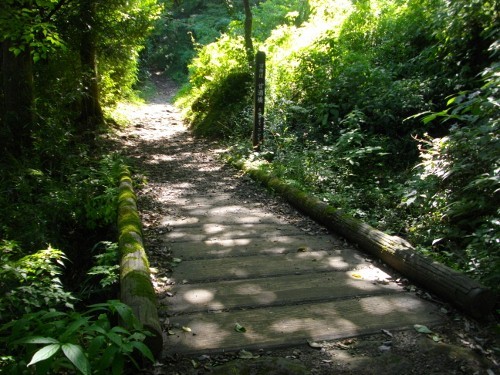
(450, 285)
(136, 289)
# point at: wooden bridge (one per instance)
(246, 279)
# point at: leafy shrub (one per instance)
(456, 186)
(103, 277)
(219, 89)
(214, 111)
(41, 312)
(88, 343)
(30, 282)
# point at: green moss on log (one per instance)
(140, 284)
(135, 283)
(128, 243)
(451, 285)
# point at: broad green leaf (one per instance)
(239, 328)
(73, 327)
(44, 353)
(116, 339)
(143, 349)
(37, 340)
(76, 355)
(120, 330)
(97, 328)
(95, 345)
(125, 313)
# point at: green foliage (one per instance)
(219, 78)
(98, 189)
(44, 334)
(106, 264)
(24, 26)
(123, 27)
(179, 31)
(454, 194)
(77, 191)
(88, 343)
(30, 282)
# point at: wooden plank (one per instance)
(279, 290)
(294, 325)
(251, 246)
(212, 231)
(258, 266)
(202, 216)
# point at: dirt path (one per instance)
(178, 168)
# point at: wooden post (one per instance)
(259, 101)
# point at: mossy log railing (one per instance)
(136, 289)
(455, 287)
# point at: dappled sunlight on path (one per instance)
(224, 253)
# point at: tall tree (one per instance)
(26, 35)
(91, 112)
(248, 32)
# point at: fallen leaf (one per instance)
(175, 262)
(315, 345)
(239, 328)
(356, 276)
(422, 329)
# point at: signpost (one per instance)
(259, 101)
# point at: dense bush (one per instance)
(454, 194)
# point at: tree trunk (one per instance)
(91, 113)
(17, 111)
(248, 33)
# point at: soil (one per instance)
(156, 135)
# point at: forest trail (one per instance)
(235, 268)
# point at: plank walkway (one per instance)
(240, 266)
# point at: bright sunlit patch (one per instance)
(370, 274)
(266, 297)
(199, 296)
(338, 263)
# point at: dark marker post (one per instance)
(259, 101)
